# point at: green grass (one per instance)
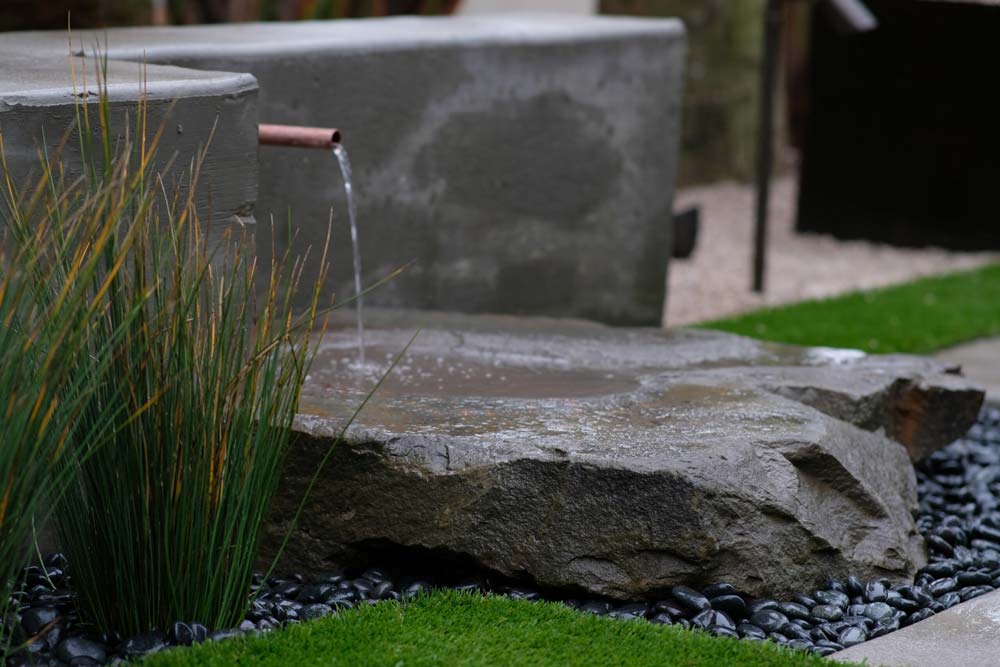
(915, 318)
(449, 628)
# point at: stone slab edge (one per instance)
(968, 634)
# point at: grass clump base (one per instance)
(49, 352)
(454, 628)
(913, 318)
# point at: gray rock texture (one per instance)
(620, 461)
(210, 112)
(523, 164)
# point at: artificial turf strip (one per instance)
(451, 628)
(916, 317)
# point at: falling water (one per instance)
(352, 213)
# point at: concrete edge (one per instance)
(967, 634)
(229, 84)
(506, 32)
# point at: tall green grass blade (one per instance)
(162, 518)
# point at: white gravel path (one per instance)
(715, 281)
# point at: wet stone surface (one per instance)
(744, 461)
(959, 505)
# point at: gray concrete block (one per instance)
(523, 164)
(38, 114)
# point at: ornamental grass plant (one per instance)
(47, 356)
(62, 250)
(161, 514)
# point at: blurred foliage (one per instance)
(720, 96)
(213, 11)
(52, 14)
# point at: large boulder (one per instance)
(619, 461)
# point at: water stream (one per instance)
(352, 214)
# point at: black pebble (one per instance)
(878, 610)
(973, 578)
(34, 620)
(722, 631)
(144, 644)
(834, 598)
(78, 647)
(769, 620)
(313, 611)
(731, 604)
(690, 598)
(761, 605)
(597, 607)
(750, 630)
(222, 635)
(875, 591)
(671, 607)
(794, 610)
(715, 590)
(851, 636)
(181, 634)
(939, 587)
(827, 612)
(804, 600)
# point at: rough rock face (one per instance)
(621, 461)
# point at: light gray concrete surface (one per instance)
(38, 95)
(524, 164)
(967, 635)
(980, 362)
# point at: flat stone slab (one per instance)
(967, 634)
(620, 461)
(980, 362)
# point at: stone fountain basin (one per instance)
(618, 461)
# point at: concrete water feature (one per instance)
(524, 164)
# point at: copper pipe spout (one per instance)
(296, 135)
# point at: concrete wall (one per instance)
(522, 164)
(37, 112)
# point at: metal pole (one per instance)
(765, 137)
